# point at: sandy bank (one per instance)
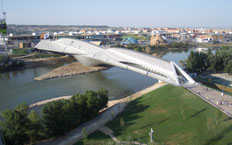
(74, 68)
(32, 63)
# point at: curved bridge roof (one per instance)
(90, 54)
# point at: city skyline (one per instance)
(121, 13)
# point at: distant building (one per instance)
(129, 40)
(206, 38)
(157, 40)
(202, 50)
(185, 37)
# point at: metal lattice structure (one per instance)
(91, 55)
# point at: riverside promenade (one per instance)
(105, 116)
(214, 97)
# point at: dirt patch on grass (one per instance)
(158, 110)
(137, 132)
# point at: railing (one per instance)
(210, 102)
(214, 84)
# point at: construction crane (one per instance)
(3, 25)
(3, 28)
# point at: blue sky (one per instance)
(130, 13)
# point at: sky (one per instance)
(121, 13)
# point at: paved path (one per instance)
(109, 132)
(104, 117)
(212, 97)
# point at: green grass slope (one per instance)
(177, 117)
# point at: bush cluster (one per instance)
(221, 61)
(45, 55)
(21, 127)
(21, 51)
(180, 45)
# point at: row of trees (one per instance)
(21, 127)
(221, 61)
(137, 37)
(180, 45)
(156, 49)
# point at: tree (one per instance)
(81, 102)
(104, 98)
(35, 127)
(216, 63)
(84, 135)
(197, 62)
(58, 117)
(70, 117)
(15, 124)
(219, 61)
(228, 67)
(53, 120)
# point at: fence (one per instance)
(214, 84)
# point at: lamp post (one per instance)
(222, 94)
(151, 135)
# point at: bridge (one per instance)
(92, 55)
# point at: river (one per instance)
(19, 86)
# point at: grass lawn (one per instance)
(176, 116)
(96, 138)
(20, 51)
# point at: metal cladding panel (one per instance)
(90, 54)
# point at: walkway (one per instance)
(214, 97)
(104, 117)
(109, 132)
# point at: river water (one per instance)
(19, 86)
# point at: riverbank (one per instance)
(33, 63)
(176, 115)
(69, 70)
(113, 109)
(110, 103)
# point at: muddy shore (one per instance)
(33, 63)
(74, 68)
